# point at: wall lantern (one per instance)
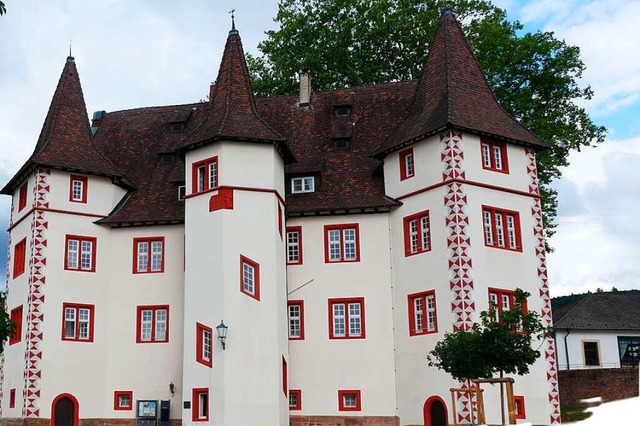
(172, 388)
(221, 330)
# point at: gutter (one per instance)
(566, 349)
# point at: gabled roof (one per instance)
(453, 93)
(65, 140)
(618, 310)
(232, 113)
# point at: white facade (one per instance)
(577, 349)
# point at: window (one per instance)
(302, 184)
(341, 144)
(341, 243)
(519, 407)
(349, 400)
(22, 197)
(204, 175)
(502, 300)
(494, 155)
(80, 253)
(295, 399)
(249, 277)
(122, 400)
(148, 255)
(342, 111)
(591, 352)
(417, 236)
(78, 189)
(204, 348)
(19, 258)
(152, 324)
(294, 245)
(77, 322)
(501, 228)
(200, 410)
(629, 349)
(407, 166)
(12, 398)
(295, 310)
(422, 313)
(346, 318)
(16, 318)
(285, 385)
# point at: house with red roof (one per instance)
(272, 261)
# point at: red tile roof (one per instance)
(232, 113)
(65, 141)
(453, 93)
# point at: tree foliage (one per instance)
(358, 42)
(3, 8)
(491, 347)
(6, 327)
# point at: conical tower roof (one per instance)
(232, 111)
(453, 93)
(65, 141)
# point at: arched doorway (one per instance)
(64, 410)
(435, 412)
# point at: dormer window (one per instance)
(341, 144)
(302, 184)
(342, 111)
(177, 127)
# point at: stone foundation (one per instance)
(609, 383)
(344, 421)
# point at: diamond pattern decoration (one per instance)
(458, 243)
(35, 317)
(538, 233)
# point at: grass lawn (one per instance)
(573, 414)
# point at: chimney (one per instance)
(212, 89)
(305, 88)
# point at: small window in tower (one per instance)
(341, 144)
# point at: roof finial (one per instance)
(233, 22)
(70, 57)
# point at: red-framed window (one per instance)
(148, 255)
(200, 405)
(494, 155)
(77, 322)
(204, 345)
(342, 243)
(501, 228)
(204, 175)
(295, 314)
(294, 245)
(349, 400)
(80, 253)
(123, 400)
(16, 318)
(285, 373)
(417, 233)
(407, 164)
(19, 257)
(280, 220)
(249, 277)
(22, 197)
(78, 189)
(295, 399)
(503, 300)
(152, 324)
(346, 318)
(423, 317)
(521, 412)
(12, 398)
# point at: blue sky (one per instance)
(161, 52)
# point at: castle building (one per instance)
(336, 235)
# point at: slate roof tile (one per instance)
(601, 311)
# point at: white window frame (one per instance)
(301, 185)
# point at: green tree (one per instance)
(357, 42)
(6, 326)
(491, 347)
(3, 8)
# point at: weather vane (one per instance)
(233, 20)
